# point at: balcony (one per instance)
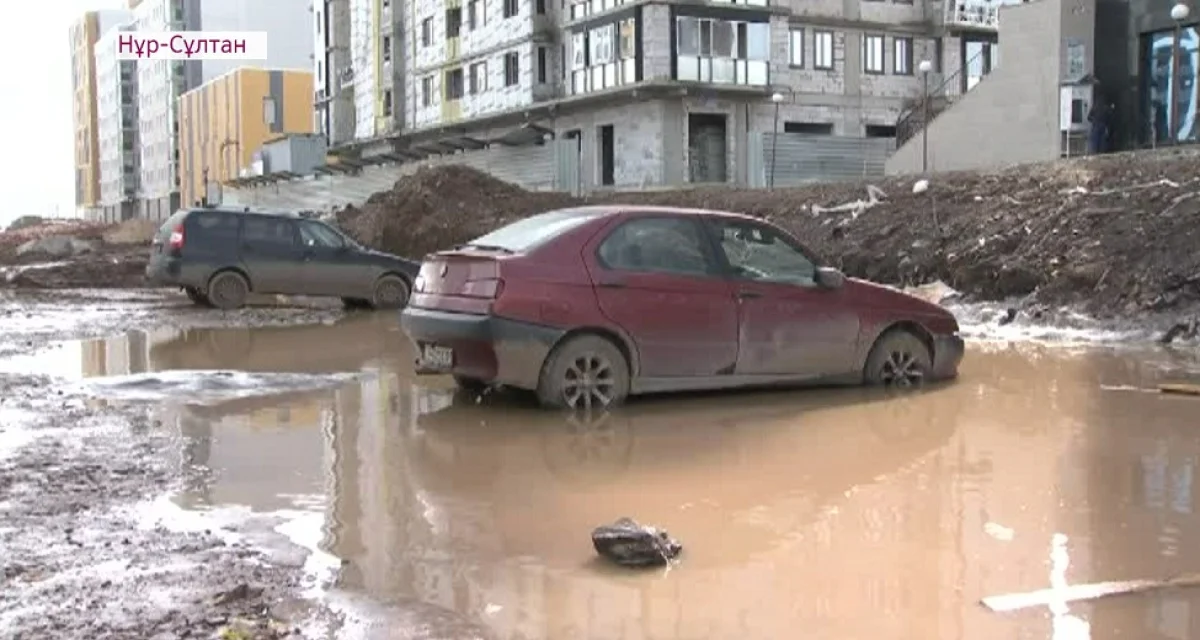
(975, 15)
(733, 71)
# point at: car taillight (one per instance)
(419, 284)
(176, 241)
(490, 288)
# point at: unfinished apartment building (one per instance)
(662, 93)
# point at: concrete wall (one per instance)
(531, 167)
(1015, 108)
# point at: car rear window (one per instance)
(526, 234)
(175, 220)
(213, 224)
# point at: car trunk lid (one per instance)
(466, 274)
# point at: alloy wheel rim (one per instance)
(589, 381)
(902, 369)
(228, 289)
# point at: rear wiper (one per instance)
(485, 247)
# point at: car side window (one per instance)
(269, 231)
(314, 234)
(657, 245)
(215, 225)
(757, 252)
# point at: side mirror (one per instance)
(830, 278)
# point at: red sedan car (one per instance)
(588, 305)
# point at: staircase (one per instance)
(916, 116)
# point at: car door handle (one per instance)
(747, 295)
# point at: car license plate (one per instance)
(437, 357)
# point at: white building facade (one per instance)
(117, 128)
(333, 81)
(161, 82)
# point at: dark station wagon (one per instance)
(219, 256)
(585, 306)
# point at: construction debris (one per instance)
(1075, 593)
(630, 544)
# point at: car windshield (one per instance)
(526, 234)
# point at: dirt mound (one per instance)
(1115, 233)
(437, 207)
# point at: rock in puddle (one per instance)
(630, 544)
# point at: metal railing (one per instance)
(912, 118)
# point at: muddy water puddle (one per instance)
(845, 514)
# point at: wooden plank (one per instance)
(1180, 388)
(1075, 593)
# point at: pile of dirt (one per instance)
(97, 255)
(1114, 233)
(438, 207)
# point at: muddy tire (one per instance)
(390, 292)
(899, 359)
(197, 297)
(584, 372)
(228, 290)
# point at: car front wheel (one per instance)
(585, 372)
(898, 359)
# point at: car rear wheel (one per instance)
(197, 296)
(228, 290)
(898, 359)
(585, 372)
(390, 292)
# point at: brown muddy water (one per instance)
(822, 514)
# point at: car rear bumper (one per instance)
(948, 353)
(164, 270)
(487, 348)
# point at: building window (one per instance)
(386, 45)
(796, 48)
(579, 9)
(510, 8)
(454, 84)
(902, 56)
(426, 32)
(453, 22)
(823, 50)
(478, 77)
(872, 51)
(387, 102)
(721, 51)
(541, 7)
(543, 65)
(512, 69)
(475, 14)
(427, 91)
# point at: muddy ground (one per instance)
(79, 561)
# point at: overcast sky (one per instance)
(37, 166)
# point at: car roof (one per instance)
(616, 209)
(245, 212)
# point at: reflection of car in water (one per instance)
(344, 346)
(692, 464)
(586, 306)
